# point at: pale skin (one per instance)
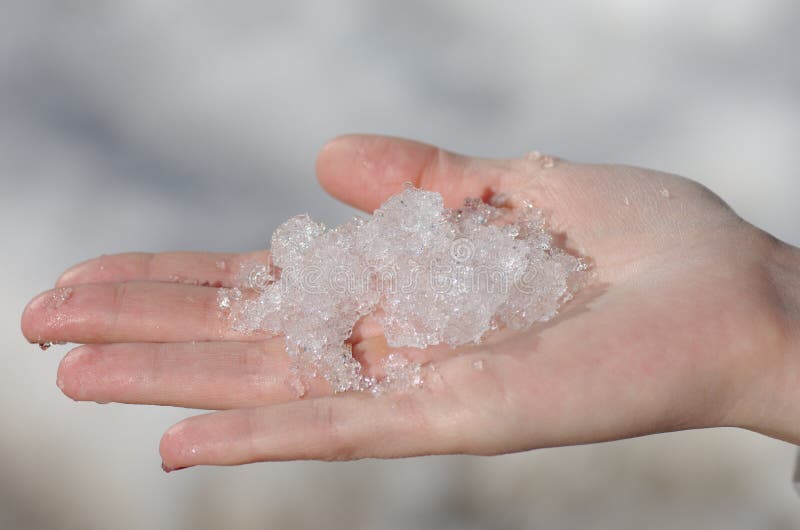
(690, 320)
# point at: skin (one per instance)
(691, 319)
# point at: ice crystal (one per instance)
(58, 297)
(432, 275)
(400, 375)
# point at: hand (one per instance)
(690, 321)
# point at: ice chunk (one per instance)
(433, 275)
(293, 238)
(400, 375)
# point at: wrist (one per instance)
(775, 410)
(784, 267)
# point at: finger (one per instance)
(451, 413)
(207, 375)
(128, 312)
(334, 428)
(142, 312)
(210, 375)
(364, 170)
(217, 269)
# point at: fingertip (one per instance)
(105, 268)
(166, 469)
(334, 146)
(170, 448)
(217, 438)
(31, 323)
(362, 170)
(44, 318)
(69, 369)
(335, 157)
(341, 142)
(73, 275)
(181, 445)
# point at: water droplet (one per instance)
(548, 162)
(626, 201)
(59, 297)
(478, 365)
(221, 264)
(534, 155)
(665, 193)
(224, 299)
(45, 345)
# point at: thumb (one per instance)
(364, 170)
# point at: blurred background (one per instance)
(185, 125)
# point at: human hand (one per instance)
(691, 320)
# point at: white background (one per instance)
(135, 126)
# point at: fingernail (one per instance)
(168, 469)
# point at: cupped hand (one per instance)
(683, 324)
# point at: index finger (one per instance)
(214, 269)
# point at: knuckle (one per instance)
(121, 296)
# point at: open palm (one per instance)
(678, 327)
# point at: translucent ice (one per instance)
(432, 275)
(58, 297)
(400, 375)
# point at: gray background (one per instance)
(142, 126)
